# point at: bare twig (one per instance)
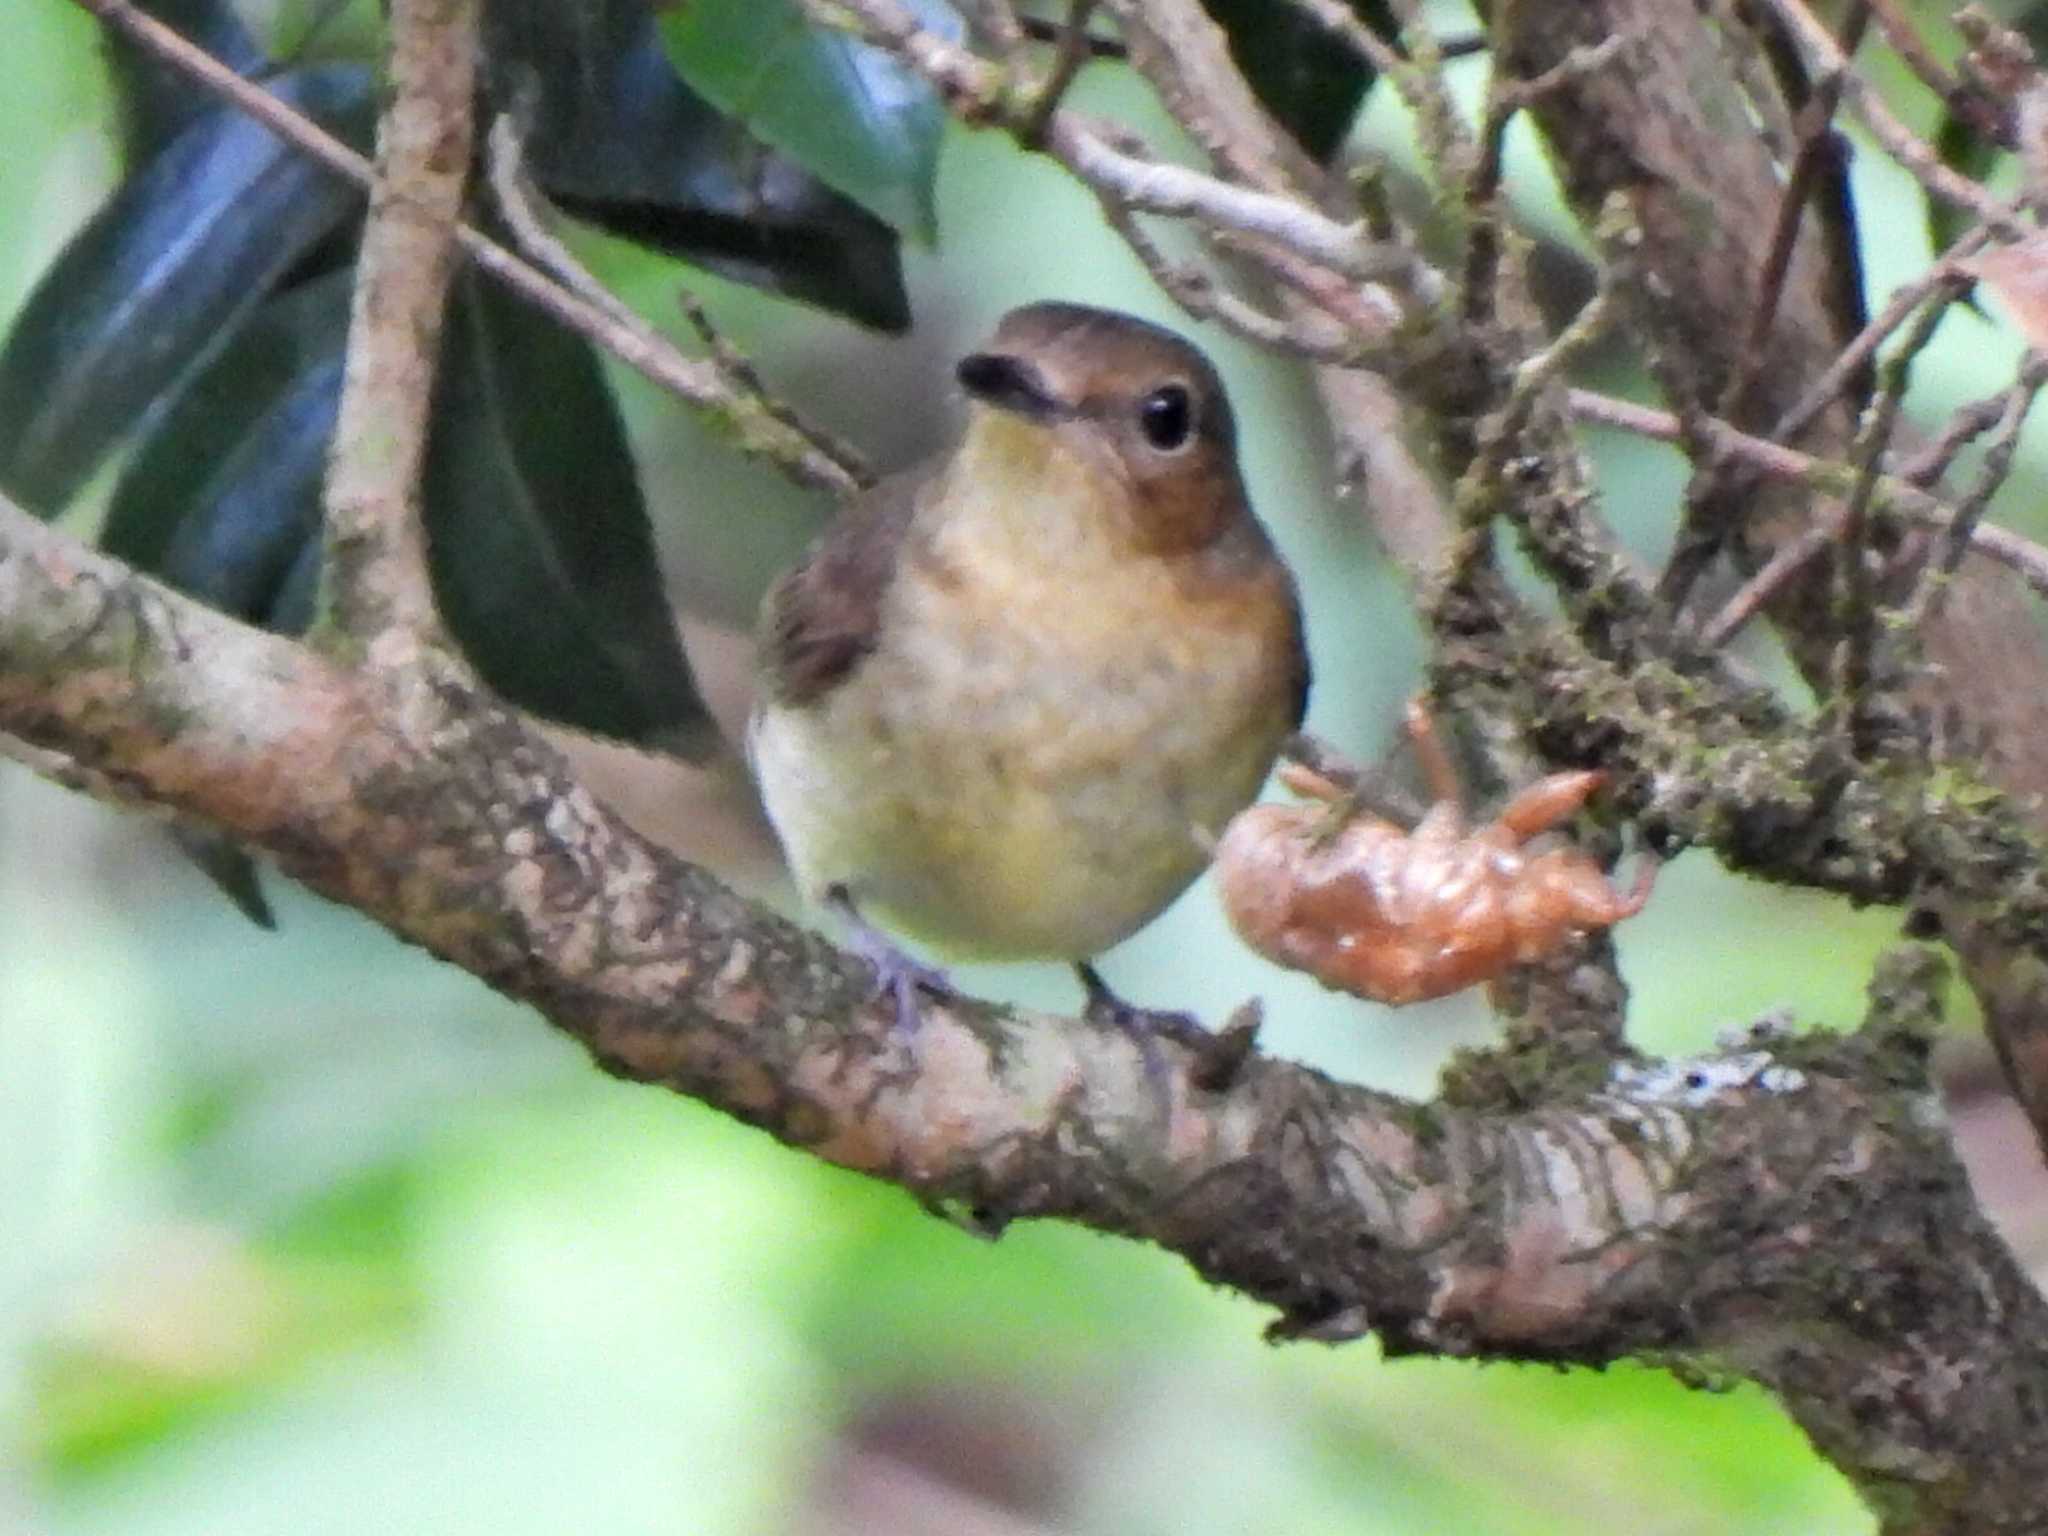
(1155, 186)
(1816, 149)
(2024, 558)
(1965, 425)
(525, 215)
(1914, 155)
(1742, 50)
(751, 390)
(1505, 98)
(1905, 40)
(1207, 298)
(1453, 148)
(695, 382)
(1947, 280)
(1070, 53)
(1375, 52)
(1998, 457)
(1787, 561)
(1855, 592)
(1385, 60)
(978, 93)
(374, 586)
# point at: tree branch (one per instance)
(1704, 202)
(1699, 1210)
(375, 595)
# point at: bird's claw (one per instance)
(897, 975)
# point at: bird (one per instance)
(1008, 698)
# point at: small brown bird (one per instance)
(1011, 697)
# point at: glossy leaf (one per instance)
(163, 277)
(543, 560)
(261, 506)
(1311, 83)
(847, 112)
(618, 139)
(182, 461)
(159, 101)
(1964, 151)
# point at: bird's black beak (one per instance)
(1009, 383)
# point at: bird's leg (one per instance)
(1143, 1025)
(898, 974)
(1104, 1006)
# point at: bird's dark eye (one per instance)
(1166, 416)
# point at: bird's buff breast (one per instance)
(1028, 767)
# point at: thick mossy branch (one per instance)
(1775, 1204)
(1700, 760)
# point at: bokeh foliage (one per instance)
(308, 1233)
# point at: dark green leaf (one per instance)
(158, 101)
(847, 112)
(815, 246)
(1309, 81)
(238, 538)
(203, 486)
(1968, 153)
(543, 560)
(162, 278)
(617, 138)
(261, 506)
(179, 465)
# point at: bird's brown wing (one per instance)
(821, 618)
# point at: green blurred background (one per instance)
(304, 1232)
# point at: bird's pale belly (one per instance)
(965, 806)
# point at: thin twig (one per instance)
(1746, 57)
(1505, 99)
(978, 92)
(1155, 186)
(1966, 424)
(1816, 148)
(1949, 278)
(1855, 592)
(1206, 298)
(1786, 561)
(2023, 557)
(687, 379)
(1909, 46)
(1069, 55)
(1386, 61)
(526, 214)
(1998, 456)
(1914, 155)
(747, 385)
(1454, 150)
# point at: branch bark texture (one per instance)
(1544, 1209)
(1786, 1208)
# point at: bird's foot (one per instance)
(1218, 1055)
(1145, 1026)
(1106, 1007)
(898, 975)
